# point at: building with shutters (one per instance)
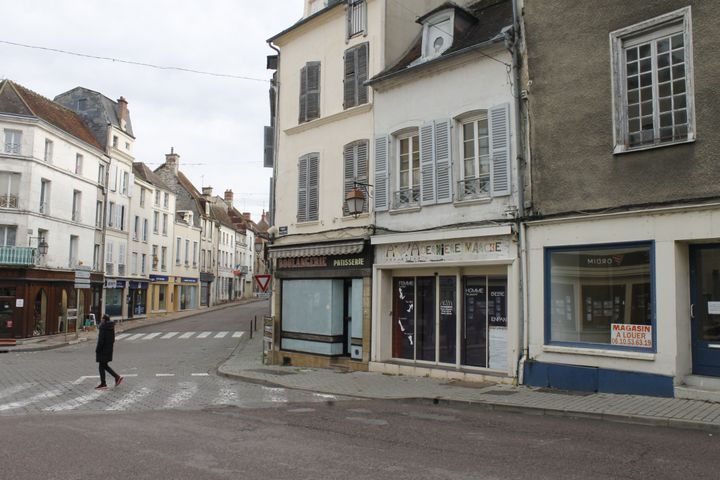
(446, 273)
(52, 169)
(323, 134)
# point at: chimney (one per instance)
(172, 160)
(207, 192)
(246, 215)
(123, 114)
(229, 198)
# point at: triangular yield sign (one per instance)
(263, 281)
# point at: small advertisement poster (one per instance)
(631, 335)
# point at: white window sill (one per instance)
(350, 112)
(597, 352)
(308, 224)
(622, 149)
(472, 201)
(399, 211)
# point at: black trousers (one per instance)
(104, 367)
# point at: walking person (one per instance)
(104, 351)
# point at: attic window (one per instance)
(82, 104)
(438, 34)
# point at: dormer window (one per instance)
(437, 34)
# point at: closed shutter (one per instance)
(302, 189)
(349, 173)
(269, 141)
(121, 254)
(109, 252)
(500, 149)
(350, 79)
(131, 185)
(427, 165)
(361, 169)
(313, 186)
(113, 177)
(313, 91)
(302, 116)
(362, 74)
(443, 164)
(355, 162)
(381, 173)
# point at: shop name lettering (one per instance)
(416, 251)
(319, 262)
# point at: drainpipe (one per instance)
(276, 137)
(520, 220)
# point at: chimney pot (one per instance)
(207, 191)
(229, 198)
(172, 159)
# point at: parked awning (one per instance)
(318, 250)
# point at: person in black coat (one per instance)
(104, 351)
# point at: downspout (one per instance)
(276, 137)
(520, 219)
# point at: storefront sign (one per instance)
(138, 285)
(158, 278)
(334, 262)
(110, 283)
(471, 249)
(186, 280)
(631, 335)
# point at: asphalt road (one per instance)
(174, 418)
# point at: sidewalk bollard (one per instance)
(251, 330)
(255, 324)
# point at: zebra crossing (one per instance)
(144, 393)
(178, 336)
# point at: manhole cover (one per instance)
(272, 372)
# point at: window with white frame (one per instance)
(111, 214)
(163, 259)
(157, 197)
(9, 189)
(142, 197)
(76, 205)
(78, 164)
(136, 228)
(13, 141)
(438, 34)
(187, 253)
(165, 224)
(156, 222)
(178, 244)
(195, 253)
(155, 257)
(145, 230)
(48, 150)
(133, 264)
(98, 214)
(356, 17)
(653, 82)
(8, 235)
(101, 174)
(143, 262)
(475, 180)
(408, 168)
(45, 196)
(125, 183)
(166, 200)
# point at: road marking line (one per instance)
(15, 389)
(221, 334)
(31, 400)
(204, 334)
(169, 335)
(132, 397)
(164, 374)
(150, 336)
(76, 402)
(188, 389)
(199, 374)
(83, 378)
(325, 396)
(122, 335)
(237, 334)
(187, 335)
(136, 336)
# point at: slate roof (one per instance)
(218, 211)
(144, 172)
(18, 100)
(331, 4)
(484, 20)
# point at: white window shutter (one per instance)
(109, 252)
(113, 177)
(381, 173)
(361, 167)
(131, 184)
(313, 186)
(500, 149)
(302, 115)
(443, 163)
(427, 165)
(349, 162)
(302, 211)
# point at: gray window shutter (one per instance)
(443, 164)
(269, 157)
(131, 185)
(350, 82)
(500, 149)
(302, 117)
(302, 215)
(362, 74)
(313, 91)
(349, 155)
(381, 173)
(361, 170)
(427, 165)
(313, 186)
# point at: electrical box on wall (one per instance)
(356, 352)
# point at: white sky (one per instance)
(212, 121)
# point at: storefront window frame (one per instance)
(547, 296)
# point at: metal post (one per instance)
(251, 330)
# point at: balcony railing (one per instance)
(474, 187)
(17, 255)
(121, 270)
(109, 268)
(8, 201)
(406, 198)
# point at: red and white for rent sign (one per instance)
(631, 335)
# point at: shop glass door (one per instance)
(705, 291)
(403, 341)
(448, 320)
(484, 335)
(6, 317)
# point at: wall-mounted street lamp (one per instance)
(355, 199)
(42, 247)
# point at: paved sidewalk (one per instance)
(246, 364)
(57, 341)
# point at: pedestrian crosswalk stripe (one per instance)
(150, 336)
(187, 391)
(237, 334)
(76, 402)
(221, 334)
(177, 336)
(133, 397)
(169, 335)
(10, 391)
(136, 336)
(275, 395)
(122, 335)
(204, 334)
(30, 401)
(187, 335)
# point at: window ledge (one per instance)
(597, 352)
(399, 211)
(350, 112)
(472, 201)
(311, 223)
(622, 149)
(350, 218)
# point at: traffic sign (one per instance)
(263, 281)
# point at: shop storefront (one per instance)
(206, 280)
(137, 306)
(186, 291)
(446, 307)
(161, 294)
(322, 296)
(114, 297)
(631, 305)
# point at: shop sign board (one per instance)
(264, 295)
(629, 335)
(336, 262)
(110, 283)
(466, 249)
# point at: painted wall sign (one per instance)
(631, 335)
(469, 249)
(340, 262)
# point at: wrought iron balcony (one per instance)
(472, 188)
(18, 255)
(406, 198)
(8, 201)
